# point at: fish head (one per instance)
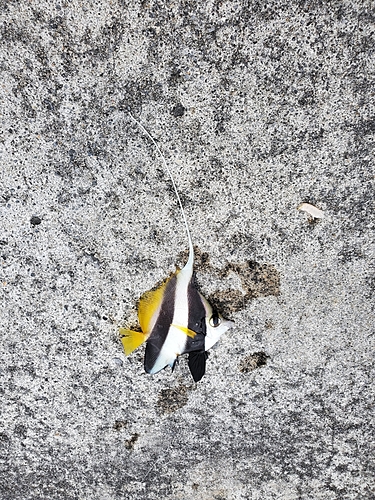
(216, 326)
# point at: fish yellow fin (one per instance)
(131, 339)
(148, 305)
(189, 333)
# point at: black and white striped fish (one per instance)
(175, 318)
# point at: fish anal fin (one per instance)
(197, 364)
(187, 331)
(131, 340)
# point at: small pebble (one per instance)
(35, 221)
(311, 210)
(178, 110)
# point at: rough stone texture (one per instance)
(258, 107)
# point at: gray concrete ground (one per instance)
(258, 107)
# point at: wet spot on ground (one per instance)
(257, 280)
(129, 444)
(172, 399)
(253, 361)
(120, 424)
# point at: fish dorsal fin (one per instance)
(190, 261)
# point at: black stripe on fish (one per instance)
(160, 331)
(196, 320)
(197, 311)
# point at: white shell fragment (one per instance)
(311, 210)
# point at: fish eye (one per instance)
(215, 320)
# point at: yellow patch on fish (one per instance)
(149, 304)
(186, 330)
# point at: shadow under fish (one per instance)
(175, 318)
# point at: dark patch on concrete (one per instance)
(171, 400)
(365, 127)
(258, 280)
(241, 240)
(221, 495)
(35, 221)
(175, 76)
(370, 286)
(135, 92)
(253, 361)
(269, 324)
(120, 424)
(227, 301)
(313, 221)
(4, 438)
(201, 260)
(20, 431)
(129, 444)
(178, 110)
(349, 253)
(5, 446)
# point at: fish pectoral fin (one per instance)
(187, 331)
(131, 339)
(197, 364)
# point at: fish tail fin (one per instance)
(197, 364)
(131, 339)
(189, 264)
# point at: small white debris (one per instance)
(311, 210)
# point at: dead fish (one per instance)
(175, 318)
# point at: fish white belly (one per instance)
(173, 346)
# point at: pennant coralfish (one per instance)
(175, 318)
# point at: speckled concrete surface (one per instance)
(258, 107)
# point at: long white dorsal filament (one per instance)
(145, 131)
